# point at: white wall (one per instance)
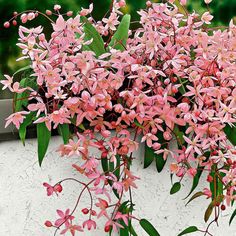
(24, 205)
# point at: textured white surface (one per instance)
(24, 205)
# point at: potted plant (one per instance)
(102, 86)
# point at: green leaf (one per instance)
(230, 133)
(196, 195)
(179, 135)
(64, 131)
(97, 45)
(189, 230)
(124, 231)
(21, 99)
(117, 171)
(22, 69)
(160, 162)
(138, 124)
(149, 156)
(120, 37)
(148, 227)
(196, 179)
(43, 136)
(211, 206)
(132, 231)
(175, 188)
(232, 217)
(198, 175)
(208, 211)
(104, 164)
(27, 121)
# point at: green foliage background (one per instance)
(223, 11)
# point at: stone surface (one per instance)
(24, 205)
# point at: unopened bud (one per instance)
(6, 24)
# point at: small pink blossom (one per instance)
(16, 118)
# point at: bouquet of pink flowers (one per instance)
(101, 85)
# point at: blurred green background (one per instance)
(223, 11)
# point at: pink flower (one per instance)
(114, 225)
(52, 189)
(206, 18)
(85, 12)
(192, 172)
(89, 224)
(16, 118)
(72, 229)
(60, 24)
(207, 192)
(149, 138)
(207, 1)
(65, 218)
(7, 83)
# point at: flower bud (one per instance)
(24, 18)
(31, 16)
(57, 7)
(6, 24)
(209, 178)
(48, 12)
(14, 22)
(107, 228)
(58, 188)
(223, 207)
(148, 3)
(48, 223)
(85, 211)
(167, 135)
(69, 13)
(93, 213)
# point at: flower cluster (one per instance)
(173, 78)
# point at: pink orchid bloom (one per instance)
(89, 224)
(72, 229)
(16, 118)
(7, 83)
(65, 218)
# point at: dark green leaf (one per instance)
(97, 45)
(117, 171)
(27, 121)
(104, 164)
(64, 131)
(231, 134)
(124, 231)
(148, 227)
(232, 217)
(196, 195)
(43, 136)
(175, 188)
(149, 156)
(131, 230)
(120, 37)
(160, 162)
(189, 230)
